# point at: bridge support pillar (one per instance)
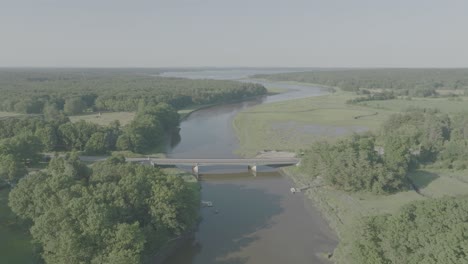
(195, 170)
(252, 169)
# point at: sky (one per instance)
(234, 33)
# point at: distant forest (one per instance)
(412, 82)
(75, 91)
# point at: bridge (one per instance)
(196, 163)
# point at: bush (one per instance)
(460, 164)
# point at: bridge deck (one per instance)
(266, 162)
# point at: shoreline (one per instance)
(313, 198)
(185, 116)
(322, 208)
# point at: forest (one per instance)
(430, 231)
(75, 91)
(408, 82)
(378, 163)
(23, 139)
(111, 212)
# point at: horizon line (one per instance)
(230, 67)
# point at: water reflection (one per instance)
(174, 139)
(255, 220)
(208, 133)
(240, 210)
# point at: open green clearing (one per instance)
(296, 124)
(8, 114)
(276, 90)
(443, 104)
(15, 245)
(105, 119)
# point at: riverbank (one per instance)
(344, 210)
(187, 111)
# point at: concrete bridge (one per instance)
(196, 163)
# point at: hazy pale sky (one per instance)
(178, 33)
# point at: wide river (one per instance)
(254, 219)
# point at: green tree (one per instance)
(397, 153)
(124, 143)
(25, 147)
(48, 137)
(73, 106)
(11, 170)
(51, 112)
(97, 144)
(428, 231)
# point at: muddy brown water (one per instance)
(255, 219)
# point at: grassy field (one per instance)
(295, 124)
(443, 104)
(105, 118)
(276, 90)
(15, 246)
(8, 114)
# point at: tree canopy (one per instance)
(406, 140)
(16, 153)
(74, 91)
(430, 231)
(116, 212)
(353, 164)
(148, 130)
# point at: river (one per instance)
(254, 219)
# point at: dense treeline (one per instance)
(113, 212)
(430, 231)
(378, 96)
(146, 131)
(439, 140)
(16, 153)
(409, 82)
(353, 164)
(406, 140)
(23, 139)
(73, 92)
(56, 135)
